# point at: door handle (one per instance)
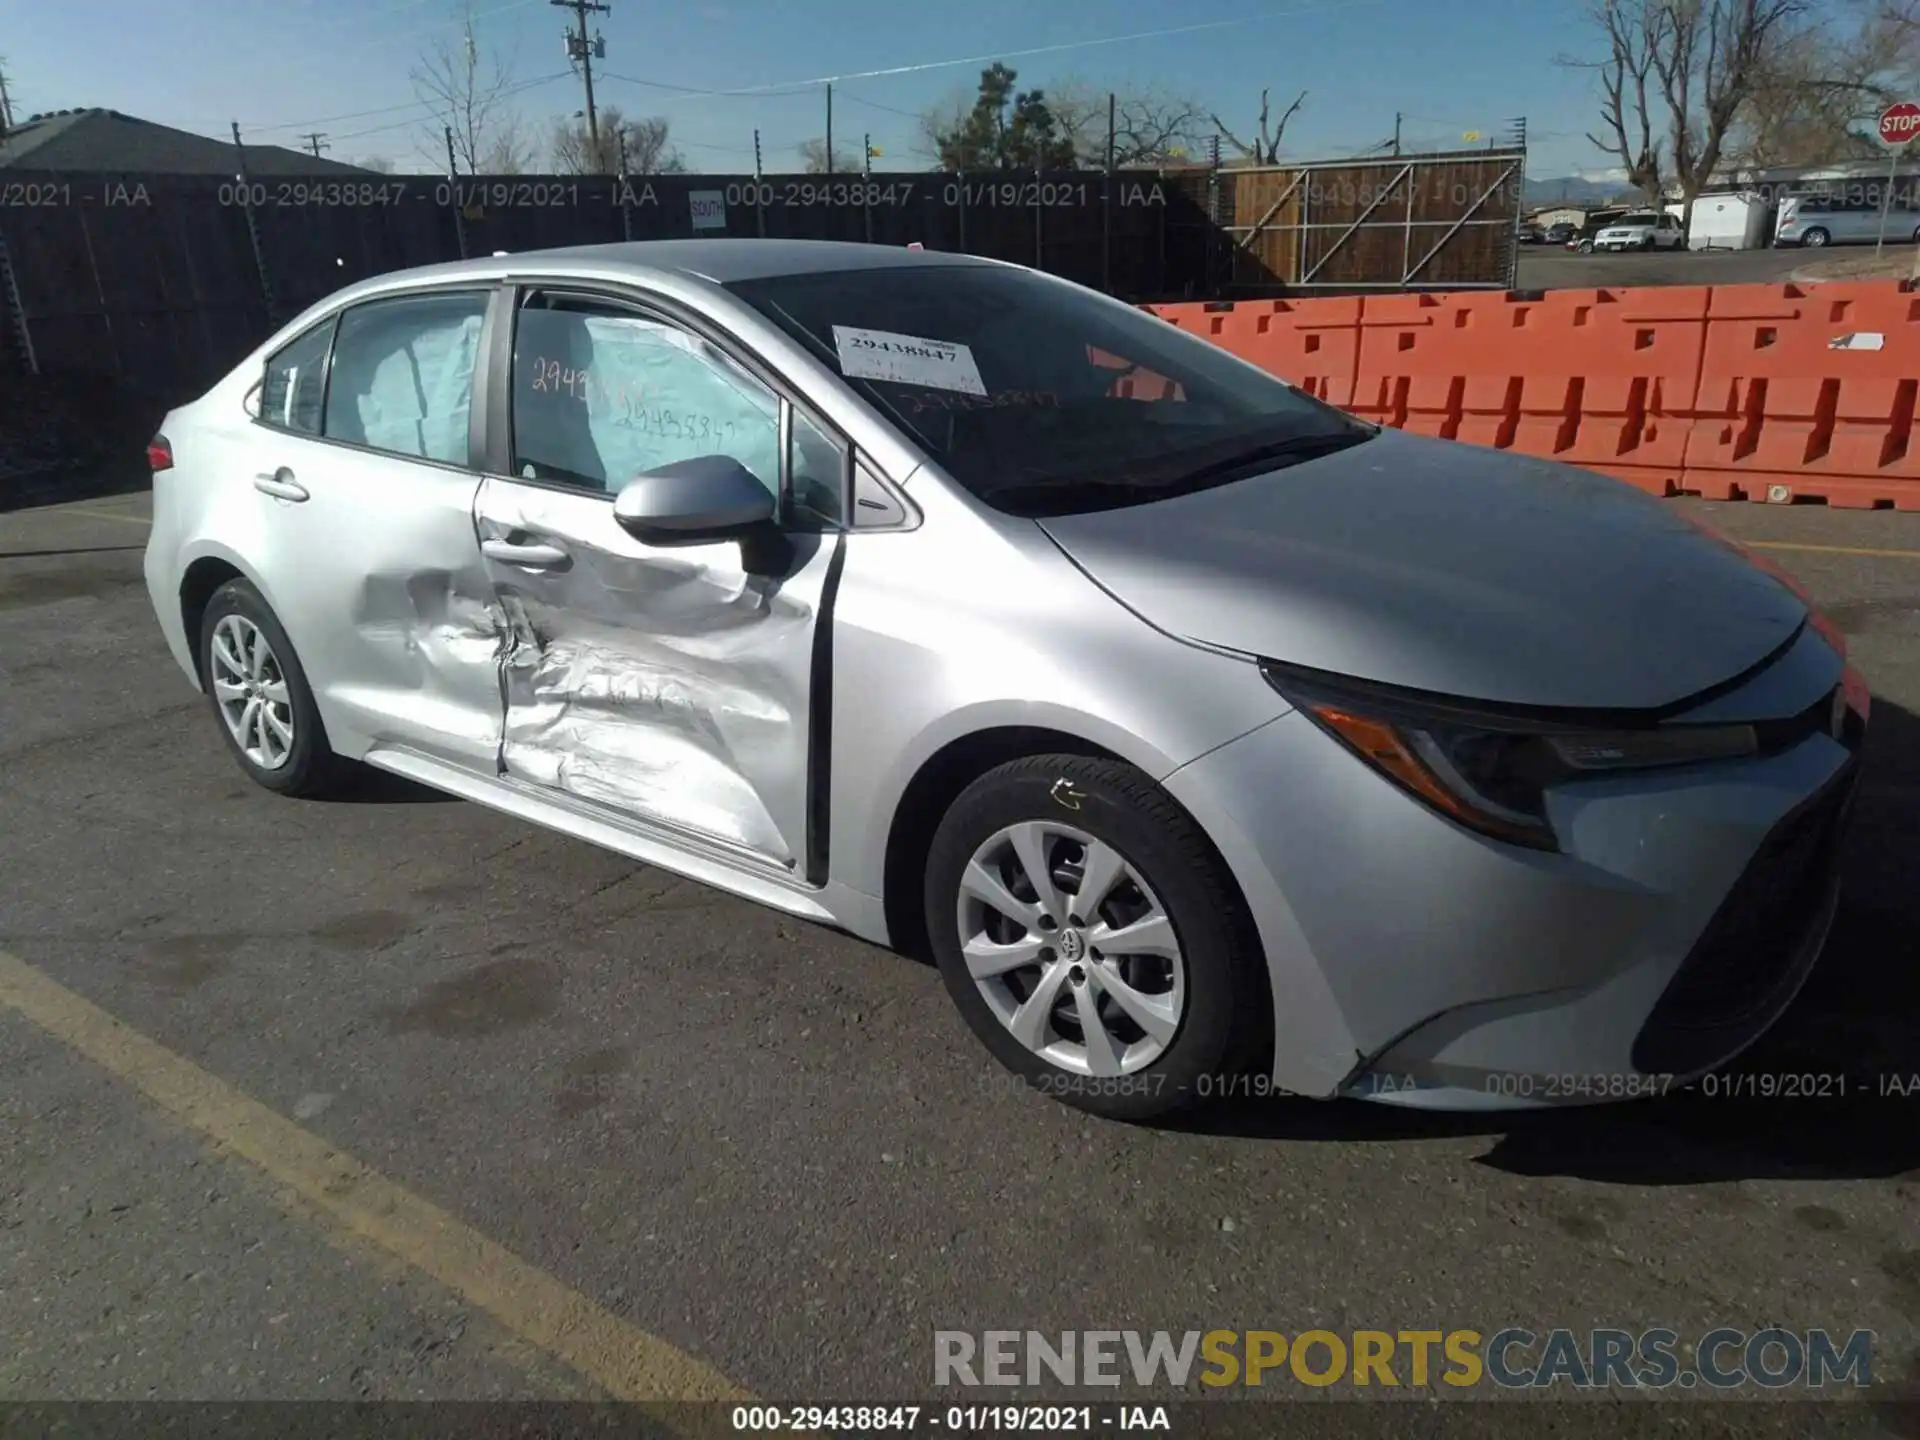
(534, 557)
(280, 484)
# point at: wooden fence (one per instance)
(161, 283)
(1445, 221)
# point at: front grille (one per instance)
(1753, 949)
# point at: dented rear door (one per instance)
(374, 567)
(668, 684)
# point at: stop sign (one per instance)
(1900, 123)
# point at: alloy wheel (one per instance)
(251, 691)
(1071, 949)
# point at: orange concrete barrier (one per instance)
(1761, 392)
(1312, 343)
(1808, 393)
(1600, 378)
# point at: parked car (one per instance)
(1199, 730)
(1817, 220)
(1642, 230)
(1561, 232)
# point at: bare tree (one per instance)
(509, 151)
(1150, 127)
(465, 91)
(1721, 51)
(940, 120)
(813, 158)
(648, 146)
(1635, 33)
(1265, 148)
(1819, 91)
(1680, 74)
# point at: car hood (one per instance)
(1445, 567)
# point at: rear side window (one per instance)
(295, 382)
(402, 378)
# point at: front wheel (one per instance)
(1092, 938)
(1814, 239)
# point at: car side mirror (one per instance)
(694, 502)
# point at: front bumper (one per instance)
(1413, 962)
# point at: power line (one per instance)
(876, 105)
(513, 89)
(806, 89)
(316, 141)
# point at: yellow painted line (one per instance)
(625, 1361)
(1831, 549)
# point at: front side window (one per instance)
(602, 395)
(402, 378)
(1043, 398)
(295, 382)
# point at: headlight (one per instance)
(1487, 770)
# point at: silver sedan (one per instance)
(1211, 740)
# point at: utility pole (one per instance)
(759, 208)
(316, 142)
(829, 127)
(1396, 132)
(580, 48)
(6, 105)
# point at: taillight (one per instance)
(159, 454)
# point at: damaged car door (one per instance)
(366, 496)
(667, 681)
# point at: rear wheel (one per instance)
(261, 697)
(1814, 238)
(1092, 938)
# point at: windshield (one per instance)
(1042, 398)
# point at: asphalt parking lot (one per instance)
(1553, 267)
(614, 1133)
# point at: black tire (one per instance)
(1649, 243)
(311, 768)
(1814, 239)
(1226, 1018)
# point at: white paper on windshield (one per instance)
(906, 360)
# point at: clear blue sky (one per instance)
(283, 68)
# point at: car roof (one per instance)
(725, 261)
(719, 261)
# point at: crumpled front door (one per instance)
(665, 683)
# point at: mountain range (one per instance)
(1573, 190)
